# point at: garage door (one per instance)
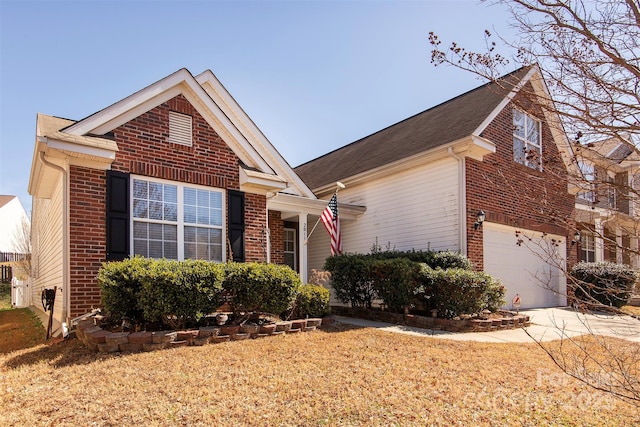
(530, 269)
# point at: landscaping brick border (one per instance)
(507, 321)
(100, 340)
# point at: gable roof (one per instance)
(268, 170)
(5, 199)
(450, 121)
(616, 153)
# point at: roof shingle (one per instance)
(447, 122)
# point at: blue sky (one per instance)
(312, 75)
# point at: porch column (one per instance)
(619, 254)
(598, 240)
(302, 244)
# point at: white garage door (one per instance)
(530, 269)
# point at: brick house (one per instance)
(176, 170)
(426, 179)
(607, 208)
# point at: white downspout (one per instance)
(462, 202)
(65, 236)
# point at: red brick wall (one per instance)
(255, 232)
(144, 150)
(514, 194)
(87, 234)
(276, 231)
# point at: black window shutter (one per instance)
(236, 224)
(117, 215)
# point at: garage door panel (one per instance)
(530, 268)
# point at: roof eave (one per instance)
(472, 146)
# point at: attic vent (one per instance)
(179, 128)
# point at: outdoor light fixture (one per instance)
(576, 238)
(479, 220)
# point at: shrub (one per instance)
(457, 291)
(179, 292)
(434, 259)
(120, 284)
(448, 259)
(598, 284)
(350, 279)
(269, 288)
(395, 282)
(312, 301)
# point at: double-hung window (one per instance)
(176, 221)
(588, 172)
(527, 143)
(587, 247)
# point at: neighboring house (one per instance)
(176, 170)
(607, 205)
(425, 179)
(14, 238)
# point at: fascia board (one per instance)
(555, 124)
(102, 121)
(291, 203)
(83, 151)
(260, 183)
(472, 146)
(505, 101)
(253, 134)
(36, 168)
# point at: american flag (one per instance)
(332, 224)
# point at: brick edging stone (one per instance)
(508, 321)
(100, 340)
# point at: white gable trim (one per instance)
(505, 101)
(178, 83)
(552, 119)
(251, 132)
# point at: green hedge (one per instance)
(395, 282)
(179, 293)
(456, 291)
(269, 288)
(599, 284)
(120, 284)
(357, 282)
(312, 301)
(351, 280)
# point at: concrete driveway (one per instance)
(547, 324)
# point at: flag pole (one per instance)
(339, 185)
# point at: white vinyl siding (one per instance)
(180, 128)
(47, 249)
(414, 209)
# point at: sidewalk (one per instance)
(547, 324)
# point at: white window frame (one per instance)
(588, 171)
(180, 128)
(295, 249)
(587, 246)
(180, 223)
(522, 158)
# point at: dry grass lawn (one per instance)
(344, 377)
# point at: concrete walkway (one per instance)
(547, 324)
